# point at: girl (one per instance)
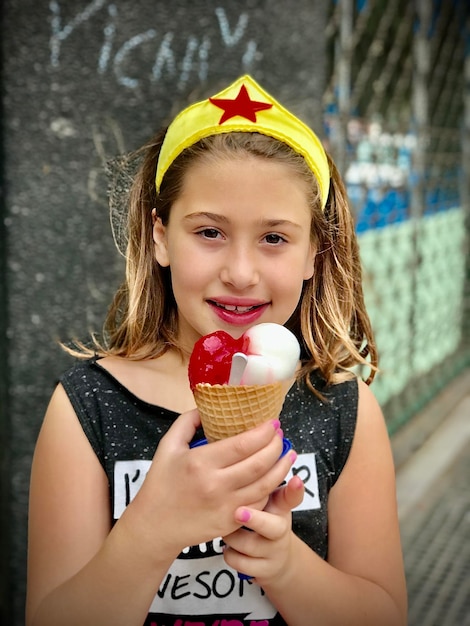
(236, 217)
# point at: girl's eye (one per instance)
(209, 233)
(272, 238)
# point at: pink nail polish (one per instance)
(276, 424)
(280, 432)
(293, 456)
(244, 516)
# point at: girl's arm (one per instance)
(80, 571)
(362, 583)
(77, 571)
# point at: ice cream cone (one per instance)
(227, 410)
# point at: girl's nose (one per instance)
(240, 269)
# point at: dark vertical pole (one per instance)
(420, 128)
(344, 80)
(420, 105)
(5, 612)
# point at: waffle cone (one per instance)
(227, 410)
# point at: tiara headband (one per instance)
(245, 107)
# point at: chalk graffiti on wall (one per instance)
(380, 157)
(114, 57)
(380, 174)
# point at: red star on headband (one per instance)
(242, 105)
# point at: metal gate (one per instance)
(397, 117)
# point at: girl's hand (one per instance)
(190, 495)
(266, 552)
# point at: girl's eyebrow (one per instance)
(276, 223)
(210, 216)
(222, 219)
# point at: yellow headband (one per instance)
(246, 108)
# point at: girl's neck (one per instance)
(162, 381)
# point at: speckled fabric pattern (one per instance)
(325, 429)
(124, 432)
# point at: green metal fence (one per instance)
(397, 116)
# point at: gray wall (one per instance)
(82, 82)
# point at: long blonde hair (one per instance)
(330, 321)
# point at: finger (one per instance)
(287, 497)
(184, 428)
(256, 485)
(265, 525)
(280, 504)
(232, 450)
(242, 562)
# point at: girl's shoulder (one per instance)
(81, 375)
(88, 373)
(322, 397)
(109, 411)
(323, 419)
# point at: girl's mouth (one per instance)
(237, 314)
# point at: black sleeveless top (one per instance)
(124, 431)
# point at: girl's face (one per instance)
(238, 245)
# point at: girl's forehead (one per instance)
(236, 166)
(253, 171)
(252, 187)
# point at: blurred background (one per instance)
(386, 86)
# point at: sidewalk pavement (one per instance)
(433, 492)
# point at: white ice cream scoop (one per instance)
(272, 354)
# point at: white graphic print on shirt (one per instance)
(199, 582)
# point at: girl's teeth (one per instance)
(238, 309)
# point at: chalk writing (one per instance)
(124, 50)
(59, 33)
(165, 57)
(109, 34)
(161, 57)
(186, 67)
(231, 38)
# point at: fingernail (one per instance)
(276, 424)
(280, 432)
(292, 456)
(244, 516)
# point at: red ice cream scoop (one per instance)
(211, 359)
